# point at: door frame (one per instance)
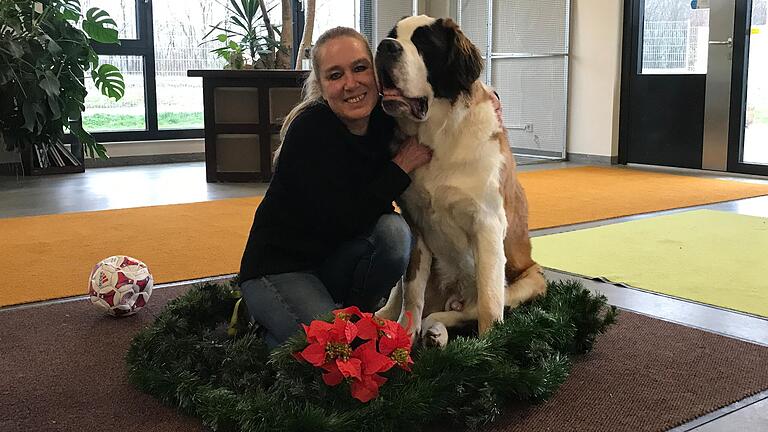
(741, 34)
(631, 31)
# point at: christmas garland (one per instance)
(233, 383)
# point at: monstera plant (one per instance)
(45, 54)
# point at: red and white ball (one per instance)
(120, 285)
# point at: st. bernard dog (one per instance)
(466, 208)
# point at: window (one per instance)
(160, 41)
(334, 13)
(122, 11)
(675, 38)
(179, 27)
(104, 114)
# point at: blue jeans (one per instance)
(361, 272)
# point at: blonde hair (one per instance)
(312, 92)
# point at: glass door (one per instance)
(756, 118)
(748, 140)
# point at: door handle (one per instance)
(728, 42)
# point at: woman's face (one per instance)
(348, 82)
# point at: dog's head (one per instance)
(421, 59)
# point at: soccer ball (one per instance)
(120, 285)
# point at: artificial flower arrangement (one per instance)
(357, 347)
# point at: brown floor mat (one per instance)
(63, 370)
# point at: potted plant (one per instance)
(250, 40)
(45, 52)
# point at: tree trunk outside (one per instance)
(309, 26)
(270, 59)
(285, 54)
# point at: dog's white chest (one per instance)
(447, 198)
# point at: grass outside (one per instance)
(761, 116)
(165, 120)
(194, 120)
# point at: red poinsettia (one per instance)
(380, 345)
(396, 343)
(330, 343)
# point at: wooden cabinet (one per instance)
(243, 111)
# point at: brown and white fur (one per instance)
(466, 208)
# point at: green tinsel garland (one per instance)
(186, 359)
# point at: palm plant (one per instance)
(247, 29)
(43, 60)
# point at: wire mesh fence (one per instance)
(674, 47)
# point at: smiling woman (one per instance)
(326, 231)
(347, 81)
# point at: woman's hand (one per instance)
(412, 155)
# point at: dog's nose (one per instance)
(390, 46)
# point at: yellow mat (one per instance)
(710, 257)
(45, 257)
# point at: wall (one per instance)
(149, 148)
(595, 78)
(8, 157)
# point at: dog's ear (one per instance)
(464, 58)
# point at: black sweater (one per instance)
(328, 186)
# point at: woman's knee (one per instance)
(392, 238)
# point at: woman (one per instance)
(326, 233)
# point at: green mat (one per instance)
(711, 257)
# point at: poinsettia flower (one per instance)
(350, 368)
(343, 331)
(317, 331)
(328, 341)
(338, 370)
(330, 348)
(369, 327)
(396, 343)
(347, 313)
(315, 353)
(372, 360)
(366, 388)
(332, 375)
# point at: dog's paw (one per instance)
(435, 336)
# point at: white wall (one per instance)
(595, 77)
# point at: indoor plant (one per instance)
(45, 51)
(250, 40)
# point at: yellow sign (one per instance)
(755, 30)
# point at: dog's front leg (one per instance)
(391, 310)
(414, 287)
(488, 248)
